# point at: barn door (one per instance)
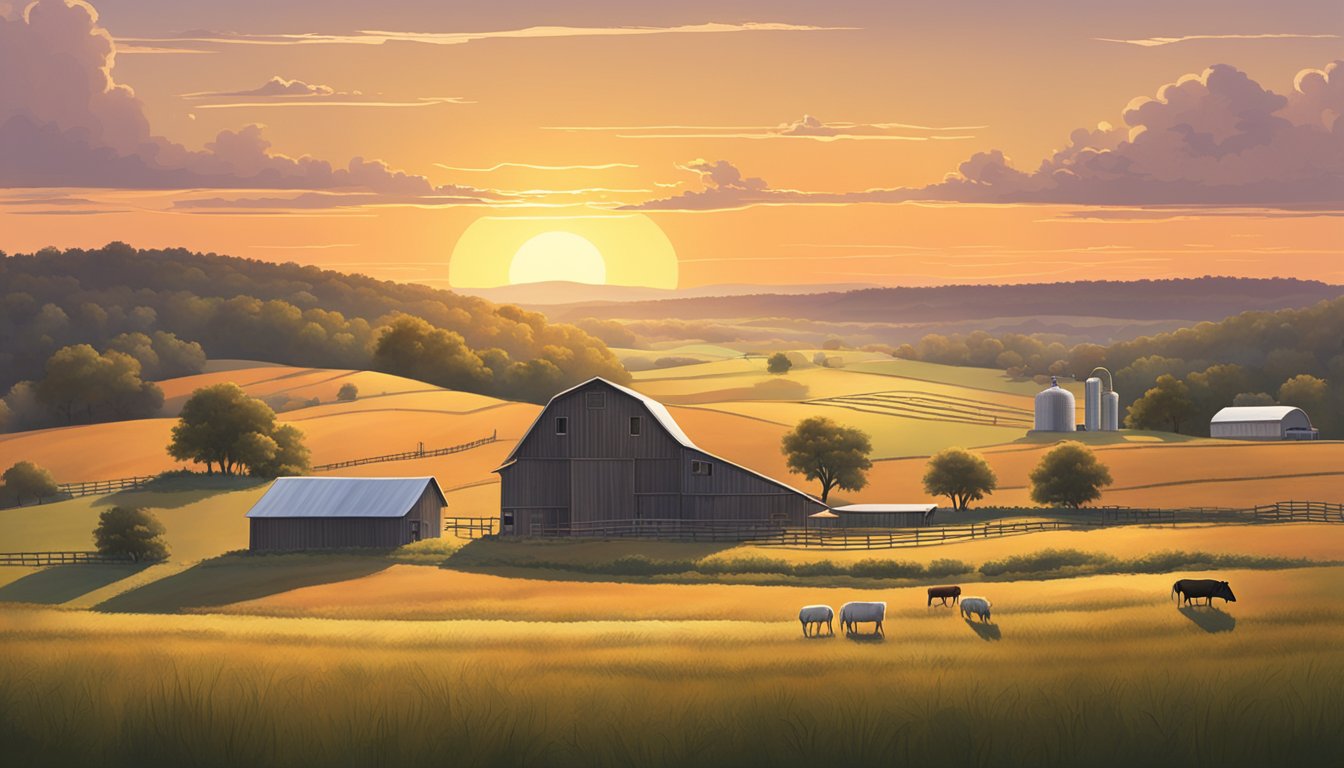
(415, 530)
(602, 491)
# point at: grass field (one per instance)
(1103, 671)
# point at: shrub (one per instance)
(1039, 562)
(887, 569)
(946, 567)
(130, 532)
(347, 392)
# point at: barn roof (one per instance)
(877, 509)
(664, 418)
(1244, 413)
(343, 496)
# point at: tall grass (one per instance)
(1056, 693)
(644, 566)
(1073, 562)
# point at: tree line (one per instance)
(116, 297)
(1290, 356)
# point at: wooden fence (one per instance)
(765, 534)
(471, 527)
(419, 453)
(58, 558)
(98, 487)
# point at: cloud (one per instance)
(534, 167)
(213, 39)
(279, 92)
(68, 123)
(1216, 138)
(1154, 42)
(807, 127)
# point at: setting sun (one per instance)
(558, 255)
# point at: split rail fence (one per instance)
(58, 558)
(420, 453)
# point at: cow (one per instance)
(943, 593)
(816, 615)
(852, 614)
(1208, 589)
(977, 605)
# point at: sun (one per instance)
(627, 249)
(558, 255)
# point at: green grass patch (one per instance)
(1058, 563)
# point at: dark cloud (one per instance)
(67, 123)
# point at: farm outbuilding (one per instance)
(1262, 422)
(300, 513)
(884, 515)
(601, 459)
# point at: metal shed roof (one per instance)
(884, 508)
(1244, 413)
(343, 496)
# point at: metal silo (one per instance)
(1092, 404)
(1110, 411)
(1055, 409)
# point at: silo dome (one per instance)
(1055, 411)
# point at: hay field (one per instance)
(374, 424)
(1100, 672)
(1193, 473)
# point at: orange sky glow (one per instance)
(690, 143)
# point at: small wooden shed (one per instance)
(884, 515)
(301, 513)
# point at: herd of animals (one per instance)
(814, 617)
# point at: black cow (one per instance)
(1206, 588)
(942, 593)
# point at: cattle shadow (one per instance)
(865, 638)
(235, 578)
(985, 630)
(59, 584)
(1209, 619)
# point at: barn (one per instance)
(1262, 422)
(299, 513)
(601, 459)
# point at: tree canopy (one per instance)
(778, 363)
(960, 475)
(1069, 475)
(1165, 406)
(348, 391)
(27, 480)
(836, 456)
(130, 532)
(221, 426)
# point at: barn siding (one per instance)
(598, 472)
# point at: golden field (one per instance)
(1100, 672)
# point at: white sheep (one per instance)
(818, 615)
(977, 605)
(852, 614)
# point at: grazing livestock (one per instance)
(977, 605)
(1205, 588)
(852, 614)
(943, 593)
(816, 615)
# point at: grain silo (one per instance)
(1092, 404)
(1110, 411)
(1107, 403)
(1055, 409)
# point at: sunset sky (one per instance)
(684, 144)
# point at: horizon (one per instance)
(476, 147)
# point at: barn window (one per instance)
(636, 425)
(701, 467)
(562, 425)
(596, 399)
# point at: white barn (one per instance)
(1262, 422)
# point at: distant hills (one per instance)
(1184, 299)
(552, 293)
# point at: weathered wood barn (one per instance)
(299, 513)
(604, 459)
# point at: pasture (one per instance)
(730, 407)
(1104, 671)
